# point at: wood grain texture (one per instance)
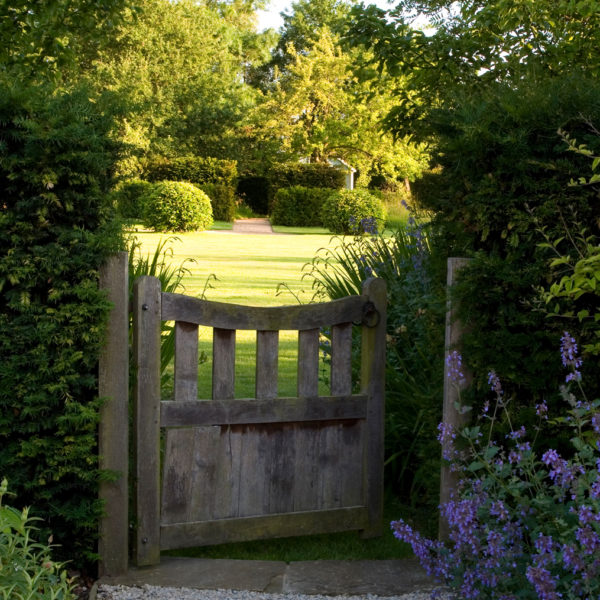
(373, 345)
(177, 307)
(185, 535)
(308, 363)
(341, 359)
(113, 429)
(279, 410)
(223, 381)
(146, 351)
(186, 362)
(267, 353)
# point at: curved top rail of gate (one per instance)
(178, 307)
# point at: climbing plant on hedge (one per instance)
(55, 232)
(177, 206)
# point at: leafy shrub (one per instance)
(195, 169)
(353, 211)
(299, 206)
(128, 197)
(56, 230)
(504, 179)
(255, 191)
(526, 521)
(311, 175)
(26, 567)
(415, 348)
(177, 206)
(222, 200)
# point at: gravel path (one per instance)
(149, 592)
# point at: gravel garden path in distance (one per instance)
(252, 226)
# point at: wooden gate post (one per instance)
(146, 353)
(372, 378)
(113, 429)
(451, 416)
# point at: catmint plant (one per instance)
(524, 522)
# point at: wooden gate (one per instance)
(240, 469)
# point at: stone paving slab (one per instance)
(327, 577)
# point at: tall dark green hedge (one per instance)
(195, 169)
(315, 175)
(502, 185)
(55, 232)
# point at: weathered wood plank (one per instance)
(373, 384)
(177, 482)
(227, 478)
(308, 363)
(146, 351)
(454, 329)
(329, 473)
(253, 474)
(279, 410)
(279, 487)
(113, 429)
(351, 441)
(267, 352)
(341, 359)
(178, 307)
(306, 466)
(223, 364)
(186, 361)
(184, 535)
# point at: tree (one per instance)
(475, 43)
(179, 66)
(319, 110)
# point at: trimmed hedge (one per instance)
(177, 206)
(195, 169)
(313, 175)
(299, 206)
(56, 230)
(222, 199)
(353, 212)
(128, 197)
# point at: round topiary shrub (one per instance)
(177, 206)
(128, 197)
(353, 212)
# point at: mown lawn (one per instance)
(248, 268)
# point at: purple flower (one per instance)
(494, 383)
(544, 583)
(541, 410)
(454, 367)
(568, 353)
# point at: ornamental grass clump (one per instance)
(525, 522)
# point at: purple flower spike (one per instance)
(494, 383)
(568, 353)
(454, 367)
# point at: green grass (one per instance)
(301, 230)
(333, 546)
(248, 268)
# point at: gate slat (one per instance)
(274, 410)
(267, 350)
(308, 362)
(186, 361)
(222, 531)
(341, 359)
(223, 364)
